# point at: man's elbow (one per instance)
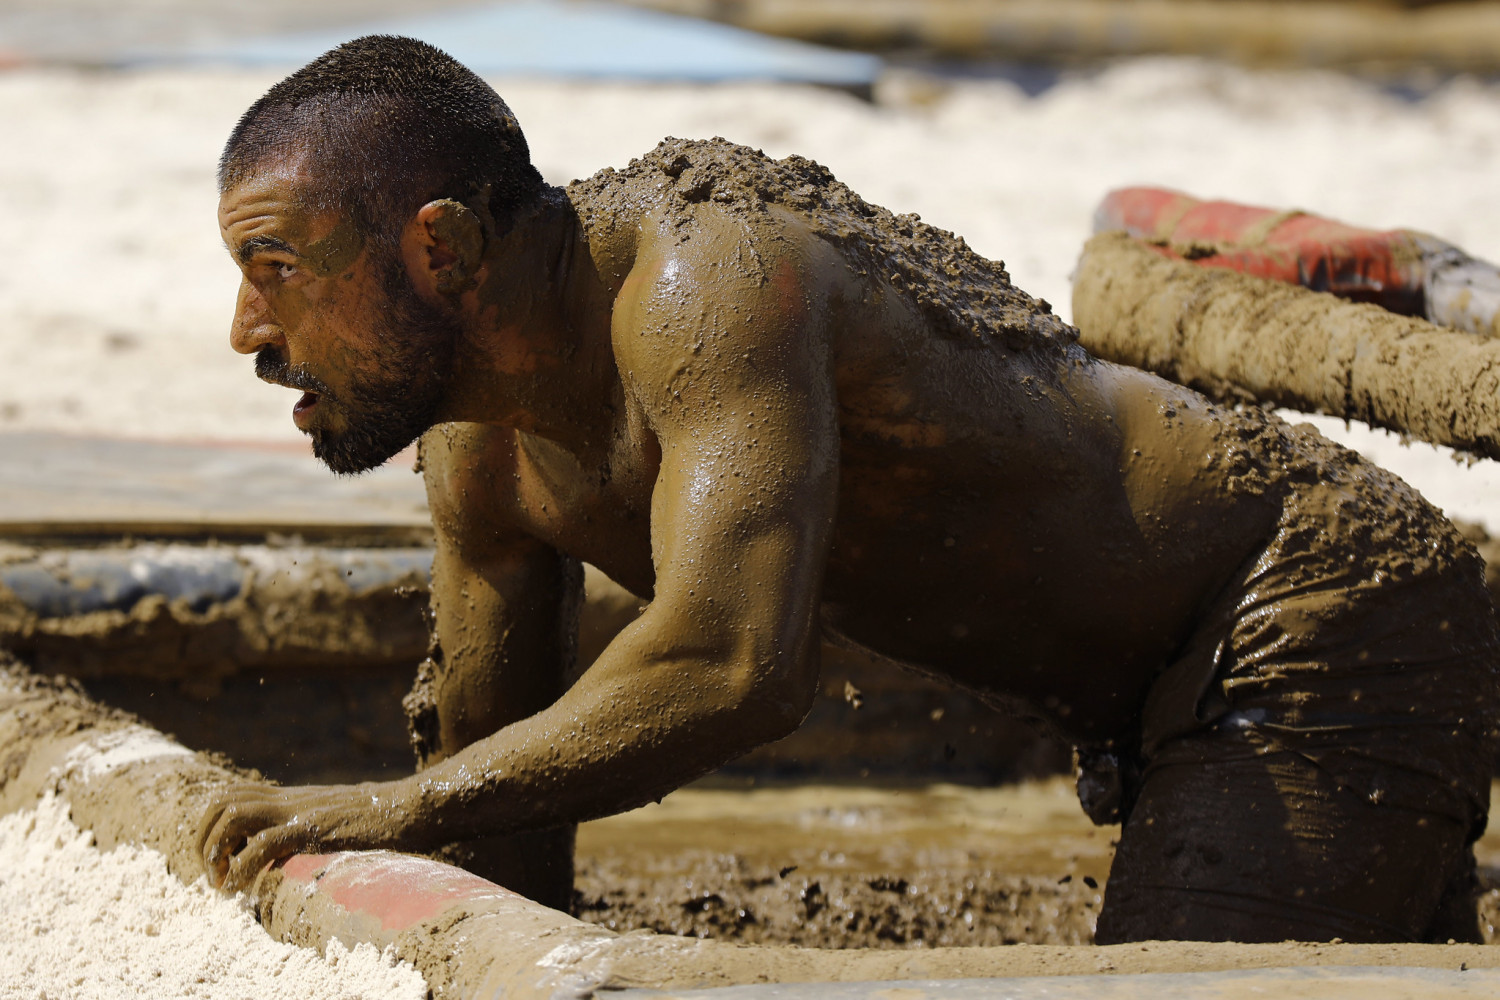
(774, 691)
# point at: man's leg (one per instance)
(1235, 840)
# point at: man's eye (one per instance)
(286, 270)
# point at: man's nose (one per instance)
(253, 327)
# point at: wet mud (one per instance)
(848, 867)
(1240, 338)
(842, 867)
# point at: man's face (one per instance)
(326, 313)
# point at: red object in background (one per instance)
(1366, 265)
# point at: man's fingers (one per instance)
(234, 796)
(268, 846)
(234, 823)
(206, 827)
(254, 825)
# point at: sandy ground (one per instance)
(115, 294)
(117, 924)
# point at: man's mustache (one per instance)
(271, 366)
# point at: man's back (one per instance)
(1011, 513)
(1248, 630)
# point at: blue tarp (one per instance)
(568, 38)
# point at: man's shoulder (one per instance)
(732, 193)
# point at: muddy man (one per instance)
(778, 413)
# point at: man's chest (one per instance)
(595, 507)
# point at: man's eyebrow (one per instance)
(256, 244)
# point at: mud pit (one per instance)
(849, 867)
(844, 867)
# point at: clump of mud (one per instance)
(960, 292)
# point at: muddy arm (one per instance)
(505, 606)
(506, 610)
(734, 380)
(732, 374)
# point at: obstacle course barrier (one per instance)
(470, 938)
(1400, 270)
(1234, 336)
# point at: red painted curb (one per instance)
(398, 890)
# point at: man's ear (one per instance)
(443, 247)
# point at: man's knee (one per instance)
(1238, 843)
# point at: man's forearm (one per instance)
(640, 723)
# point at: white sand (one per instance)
(79, 923)
(115, 294)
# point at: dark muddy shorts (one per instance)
(1317, 761)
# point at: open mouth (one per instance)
(304, 407)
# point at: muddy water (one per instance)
(852, 867)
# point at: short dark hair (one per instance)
(389, 123)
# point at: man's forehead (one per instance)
(276, 187)
(269, 210)
(273, 199)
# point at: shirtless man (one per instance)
(778, 413)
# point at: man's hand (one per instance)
(252, 826)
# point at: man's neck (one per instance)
(536, 353)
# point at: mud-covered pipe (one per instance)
(128, 783)
(470, 938)
(1233, 336)
(199, 613)
(76, 581)
(1401, 270)
(196, 612)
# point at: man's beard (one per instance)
(390, 401)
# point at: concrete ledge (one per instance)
(1353, 982)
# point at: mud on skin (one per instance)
(778, 411)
